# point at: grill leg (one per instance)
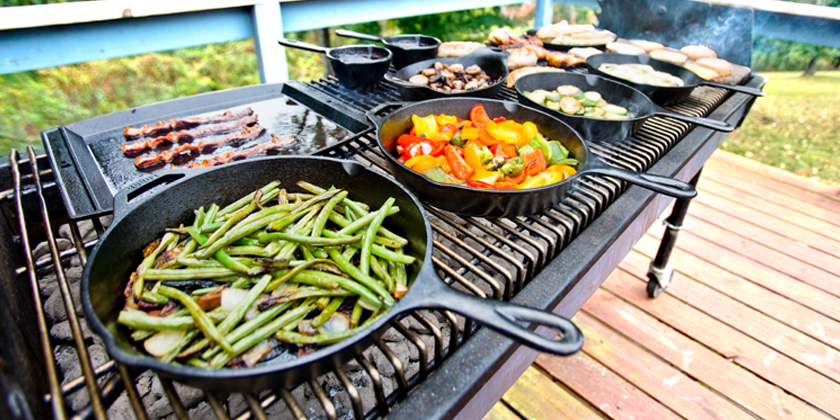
(660, 273)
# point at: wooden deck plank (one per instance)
(764, 235)
(770, 332)
(760, 274)
(655, 377)
(738, 384)
(781, 226)
(610, 393)
(748, 181)
(770, 208)
(536, 396)
(781, 308)
(501, 411)
(762, 170)
(771, 365)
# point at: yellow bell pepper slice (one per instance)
(488, 177)
(443, 163)
(540, 180)
(566, 170)
(526, 133)
(502, 132)
(446, 119)
(469, 133)
(426, 127)
(472, 154)
(421, 162)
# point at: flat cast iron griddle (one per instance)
(90, 167)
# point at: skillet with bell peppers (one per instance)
(481, 152)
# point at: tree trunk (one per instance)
(811, 68)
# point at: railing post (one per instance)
(271, 57)
(545, 10)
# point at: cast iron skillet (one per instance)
(424, 48)
(613, 92)
(564, 48)
(353, 73)
(492, 60)
(662, 95)
(494, 203)
(138, 223)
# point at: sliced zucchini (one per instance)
(537, 96)
(615, 109)
(552, 104)
(594, 113)
(570, 105)
(568, 90)
(611, 116)
(591, 98)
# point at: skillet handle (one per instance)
(302, 45)
(127, 198)
(504, 318)
(661, 184)
(735, 88)
(350, 34)
(703, 122)
(399, 82)
(378, 121)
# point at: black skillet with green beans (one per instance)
(279, 286)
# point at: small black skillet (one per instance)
(355, 66)
(407, 49)
(637, 104)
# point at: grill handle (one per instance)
(703, 122)
(371, 115)
(661, 184)
(735, 88)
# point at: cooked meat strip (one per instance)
(187, 135)
(246, 133)
(516, 74)
(169, 125)
(559, 59)
(277, 142)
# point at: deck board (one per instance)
(749, 328)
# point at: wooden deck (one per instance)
(749, 328)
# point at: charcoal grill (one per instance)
(554, 259)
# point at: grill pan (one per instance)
(495, 203)
(613, 92)
(138, 223)
(662, 95)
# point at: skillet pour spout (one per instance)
(143, 219)
(501, 203)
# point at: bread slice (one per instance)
(696, 52)
(703, 72)
(669, 56)
(457, 49)
(722, 67)
(622, 48)
(647, 45)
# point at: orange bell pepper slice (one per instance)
(459, 167)
(485, 138)
(534, 162)
(504, 185)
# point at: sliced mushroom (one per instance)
(428, 72)
(447, 74)
(456, 68)
(473, 69)
(419, 79)
(438, 65)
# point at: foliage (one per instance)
(771, 54)
(795, 126)
(465, 25)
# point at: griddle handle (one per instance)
(661, 184)
(350, 34)
(735, 88)
(371, 115)
(703, 122)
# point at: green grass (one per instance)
(795, 127)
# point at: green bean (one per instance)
(189, 273)
(341, 221)
(318, 190)
(259, 335)
(235, 265)
(356, 315)
(382, 273)
(324, 338)
(364, 221)
(141, 321)
(349, 253)
(202, 321)
(331, 281)
(236, 217)
(286, 276)
(196, 362)
(321, 220)
(140, 335)
(142, 270)
(194, 263)
(240, 283)
(207, 228)
(202, 292)
(155, 298)
(247, 242)
(362, 278)
(188, 337)
(199, 217)
(374, 225)
(249, 326)
(236, 205)
(306, 292)
(211, 215)
(379, 251)
(309, 240)
(330, 309)
(247, 250)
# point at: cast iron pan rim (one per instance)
(417, 48)
(646, 60)
(595, 120)
(465, 188)
(603, 47)
(452, 94)
(388, 53)
(173, 370)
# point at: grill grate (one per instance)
(489, 258)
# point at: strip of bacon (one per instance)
(187, 135)
(169, 125)
(277, 142)
(246, 133)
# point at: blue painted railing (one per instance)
(29, 46)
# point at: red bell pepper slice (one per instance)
(478, 116)
(507, 184)
(407, 139)
(534, 162)
(499, 120)
(479, 184)
(459, 167)
(504, 150)
(426, 147)
(517, 179)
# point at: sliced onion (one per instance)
(305, 327)
(364, 303)
(338, 322)
(231, 298)
(279, 290)
(254, 310)
(254, 354)
(163, 342)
